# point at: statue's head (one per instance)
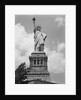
(38, 28)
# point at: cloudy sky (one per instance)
(54, 27)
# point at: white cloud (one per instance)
(60, 21)
(56, 61)
(60, 46)
(24, 46)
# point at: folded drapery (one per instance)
(39, 39)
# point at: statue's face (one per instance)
(38, 28)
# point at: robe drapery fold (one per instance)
(39, 38)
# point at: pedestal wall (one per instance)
(38, 66)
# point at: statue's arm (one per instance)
(34, 31)
(45, 37)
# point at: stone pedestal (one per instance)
(38, 66)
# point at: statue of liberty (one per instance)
(39, 38)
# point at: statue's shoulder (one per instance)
(37, 32)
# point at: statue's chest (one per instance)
(38, 34)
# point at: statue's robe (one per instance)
(39, 39)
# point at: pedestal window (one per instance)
(34, 62)
(41, 62)
(37, 62)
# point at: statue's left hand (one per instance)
(45, 37)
